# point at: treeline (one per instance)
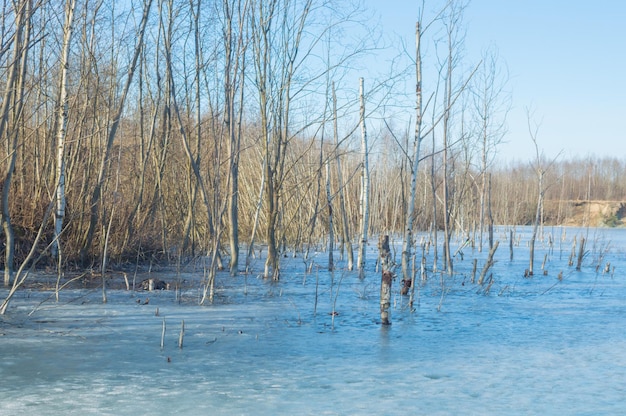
(168, 129)
(574, 180)
(513, 193)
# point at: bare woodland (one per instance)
(165, 130)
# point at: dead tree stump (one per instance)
(406, 286)
(581, 254)
(488, 264)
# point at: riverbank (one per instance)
(578, 213)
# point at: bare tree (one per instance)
(97, 190)
(12, 102)
(452, 91)
(453, 40)
(345, 233)
(540, 172)
(540, 167)
(235, 43)
(277, 28)
(491, 105)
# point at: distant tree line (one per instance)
(169, 129)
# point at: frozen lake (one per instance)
(531, 346)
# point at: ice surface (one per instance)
(531, 346)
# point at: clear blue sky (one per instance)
(566, 61)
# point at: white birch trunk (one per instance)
(407, 245)
(364, 202)
(59, 214)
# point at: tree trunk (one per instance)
(384, 252)
(276, 34)
(533, 237)
(189, 234)
(483, 190)
(490, 214)
(385, 297)
(434, 227)
(316, 195)
(488, 264)
(491, 105)
(364, 201)
(271, 199)
(233, 82)
(345, 233)
(581, 254)
(62, 115)
(13, 94)
(257, 213)
(510, 245)
(331, 230)
(447, 204)
(407, 244)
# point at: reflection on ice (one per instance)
(532, 346)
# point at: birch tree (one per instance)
(62, 116)
(365, 184)
(407, 244)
